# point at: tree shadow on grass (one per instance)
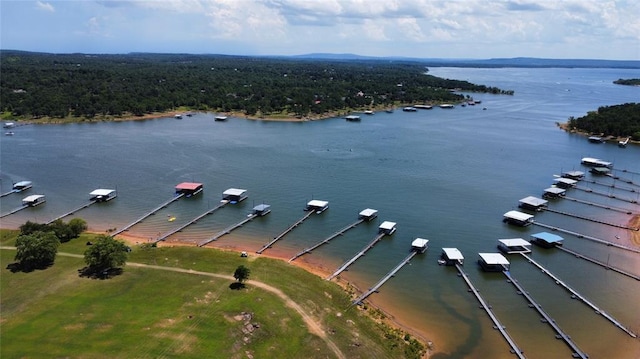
(99, 273)
(236, 286)
(19, 267)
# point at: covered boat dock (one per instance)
(518, 218)
(595, 162)
(189, 189)
(103, 195)
(546, 239)
(451, 256)
(234, 195)
(493, 262)
(533, 203)
(317, 206)
(514, 245)
(554, 192)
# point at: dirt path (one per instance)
(312, 324)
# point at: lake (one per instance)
(447, 175)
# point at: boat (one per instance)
(623, 143)
(9, 125)
(409, 109)
(9, 133)
(352, 118)
(221, 118)
(446, 105)
(595, 139)
(423, 107)
(389, 110)
(171, 218)
(369, 112)
(178, 117)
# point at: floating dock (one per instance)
(579, 235)
(285, 232)
(384, 279)
(72, 211)
(29, 201)
(577, 295)
(599, 205)
(632, 190)
(386, 228)
(591, 219)
(152, 212)
(576, 352)
(496, 323)
(176, 230)
(258, 211)
(15, 210)
(608, 195)
(18, 187)
(602, 264)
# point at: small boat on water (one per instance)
(178, 116)
(409, 109)
(623, 143)
(446, 105)
(369, 112)
(9, 133)
(423, 107)
(9, 125)
(352, 118)
(221, 118)
(595, 139)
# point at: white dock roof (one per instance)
(514, 242)
(595, 162)
(386, 225)
(555, 190)
(534, 201)
(102, 192)
(22, 184)
(368, 212)
(317, 203)
(32, 198)
(519, 216)
(494, 258)
(453, 253)
(234, 192)
(419, 243)
(567, 181)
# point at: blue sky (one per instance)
(586, 29)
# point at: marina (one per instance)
(591, 238)
(578, 216)
(150, 213)
(386, 229)
(418, 246)
(576, 351)
(600, 263)
(577, 295)
(258, 211)
(365, 215)
(496, 323)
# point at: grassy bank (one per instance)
(149, 312)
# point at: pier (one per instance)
(357, 256)
(72, 211)
(496, 323)
(577, 295)
(7, 193)
(608, 195)
(289, 229)
(579, 235)
(599, 205)
(152, 212)
(632, 190)
(174, 231)
(15, 210)
(600, 263)
(576, 352)
(228, 230)
(591, 219)
(327, 240)
(384, 279)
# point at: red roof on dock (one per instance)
(189, 186)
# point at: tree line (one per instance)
(86, 86)
(618, 120)
(629, 82)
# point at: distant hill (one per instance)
(497, 62)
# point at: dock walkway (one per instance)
(577, 295)
(579, 235)
(576, 352)
(591, 219)
(600, 205)
(358, 255)
(228, 230)
(176, 230)
(602, 264)
(8, 193)
(608, 195)
(384, 279)
(153, 211)
(72, 211)
(326, 240)
(496, 323)
(613, 185)
(15, 210)
(289, 229)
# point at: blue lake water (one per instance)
(444, 175)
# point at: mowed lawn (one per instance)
(154, 313)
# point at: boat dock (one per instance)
(357, 256)
(286, 231)
(591, 219)
(632, 190)
(152, 212)
(15, 210)
(599, 205)
(577, 295)
(608, 195)
(579, 235)
(602, 264)
(576, 352)
(384, 279)
(326, 240)
(496, 323)
(72, 211)
(176, 230)
(228, 230)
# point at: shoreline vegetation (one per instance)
(610, 123)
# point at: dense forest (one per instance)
(630, 82)
(35, 85)
(619, 120)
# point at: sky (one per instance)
(466, 29)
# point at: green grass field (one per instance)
(155, 313)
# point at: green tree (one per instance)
(77, 226)
(242, 273)
(36, 250)
(106, 253)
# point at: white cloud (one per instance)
(45, 6)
